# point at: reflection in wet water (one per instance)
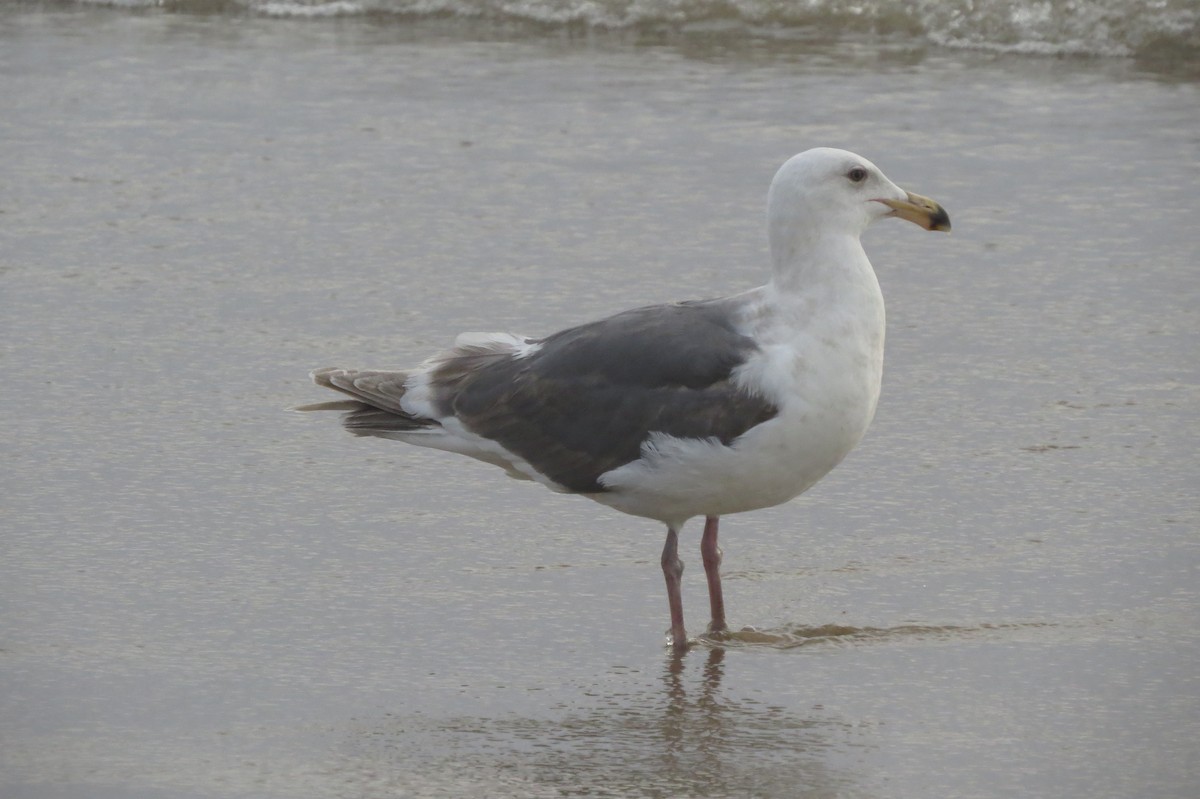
(679, 735)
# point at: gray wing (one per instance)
(587, 399)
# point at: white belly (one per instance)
(826, 414)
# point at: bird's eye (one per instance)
(857, 175)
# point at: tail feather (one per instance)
(383, 390)
(381, 393)
(368, 421)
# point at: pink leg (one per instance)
(711, 554)
(672, 568)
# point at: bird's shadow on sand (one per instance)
(792, 637)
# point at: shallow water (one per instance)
(205, 594)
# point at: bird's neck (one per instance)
(828, 290)
(807, 261)
(824, 302)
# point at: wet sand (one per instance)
(207, 595)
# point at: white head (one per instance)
(823, 193)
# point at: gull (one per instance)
(698, 408)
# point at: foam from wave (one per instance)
(1051, 27)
